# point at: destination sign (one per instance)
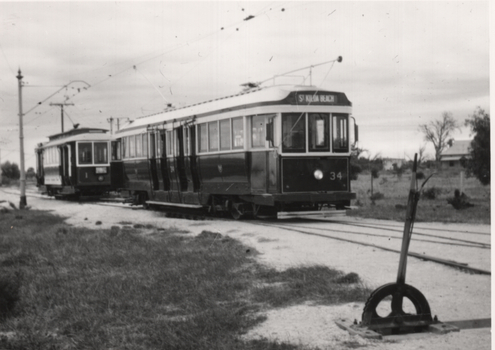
(315, 98)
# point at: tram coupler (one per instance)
(375, 320)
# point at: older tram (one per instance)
(277, 150)
(74, 163)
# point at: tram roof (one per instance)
(83, 134)
(245, 99)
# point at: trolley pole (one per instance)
(110, 120)
(62, 111)
(23, 201)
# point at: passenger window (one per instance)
(339, 133)
(225, 134)
(125, 148)
(159, 144)
(101, 153)
(117, 150)
(168, 141)
(144, 151)
(293, 132)
(212, 136)
(203, 138)
(186, 141)
(237, 133)
(258, 131)
(132, 146)
(139, 146)
(85, 153)
(318, 132)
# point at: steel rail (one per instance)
(376, 227)
(416, 226)
(450, 263)
(462, 244)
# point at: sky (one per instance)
(404, 63)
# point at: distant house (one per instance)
(451, 158)
(388, 163)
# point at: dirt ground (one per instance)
(452, 294)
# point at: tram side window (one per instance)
(85, 153)
(258, 131)
(116, 150)
(339, 133)
(101, 153)
(186, 141)
(237, 133)
(225, 135)
(169, 143)
(160, 144)
(144, 150)
(139, 146)
(318, 124)
(132, 146)
(293, 132)
(213, 136)
(202, 138)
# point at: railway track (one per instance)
(336, 235)
(332, 234)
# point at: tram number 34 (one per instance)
(334, 176)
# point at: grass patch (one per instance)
(433, 205)
(79, 288)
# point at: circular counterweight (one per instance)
(384, 309)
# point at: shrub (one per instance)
(374, 173)
(376, 196)
(420, 175)
(432, 192)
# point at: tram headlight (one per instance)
(101, 178)
(318, 174)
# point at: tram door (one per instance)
(180, 157)
(193, 162)
(66, 165)
(172, 151)
(164, 176)
(40, 175)
(152, 162)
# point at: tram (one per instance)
(74, 163)
(277, 150)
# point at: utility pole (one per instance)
(23, 201)
(62, 111)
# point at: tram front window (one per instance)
(339, 134)
(318, 132)
(101, 153)
(85, 153)
(293, 132)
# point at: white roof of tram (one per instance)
(257, 95)
(79, 137)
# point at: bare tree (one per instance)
(439, 131)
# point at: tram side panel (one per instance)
(224, 174)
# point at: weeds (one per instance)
(95, 289)
(441, 186)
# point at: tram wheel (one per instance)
(236, 211)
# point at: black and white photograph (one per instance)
(283, 175)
